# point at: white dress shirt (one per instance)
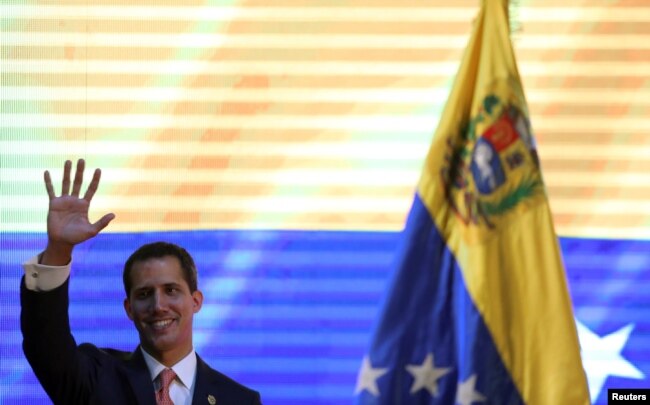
(40, 277)
(181, 389)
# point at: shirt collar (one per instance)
(185, 369)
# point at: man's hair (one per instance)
(157, 250)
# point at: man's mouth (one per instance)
(161, 325)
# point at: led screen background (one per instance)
(281, 143)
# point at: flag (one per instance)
(478, 311)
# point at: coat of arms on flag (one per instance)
(495, 166)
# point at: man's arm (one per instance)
(67, 217)
(63, 371)
(67, 226)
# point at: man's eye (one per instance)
(143, 294)
(172, 290)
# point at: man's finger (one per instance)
(78, 177)
(65, 185)
(103, 222)
(48, 185)
(92, 187)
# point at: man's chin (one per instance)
(158, 344)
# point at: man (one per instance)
(161, 299)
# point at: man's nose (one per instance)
(159, 301)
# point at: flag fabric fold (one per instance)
(478, 311)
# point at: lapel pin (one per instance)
(212, 400)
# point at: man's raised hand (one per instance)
(67, 217)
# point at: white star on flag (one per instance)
(426, 375)
(467, 393)
(367, 379)
(601, 357)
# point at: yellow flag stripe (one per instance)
(509, 259)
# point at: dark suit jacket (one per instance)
(85, 374)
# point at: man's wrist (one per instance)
(56, 254)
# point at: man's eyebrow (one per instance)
(140, 290)
(172, 284)
(151, 287)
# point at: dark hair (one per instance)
(161, 249)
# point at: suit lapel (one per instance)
(140, 379)
(206, 385)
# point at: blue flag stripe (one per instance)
(429, 310)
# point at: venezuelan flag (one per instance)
(479, 309)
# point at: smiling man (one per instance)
(160, 282)
(162, 296)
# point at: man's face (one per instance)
(161, 306)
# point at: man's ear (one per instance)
(197, 298)
(127, 308)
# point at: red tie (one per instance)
(162, 395)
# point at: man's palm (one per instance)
(67, 220)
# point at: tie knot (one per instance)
(166, 377)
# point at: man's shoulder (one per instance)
(119, 355)
(223, 382)
(227, 381)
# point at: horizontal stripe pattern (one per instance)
(409, 11)
(315, 41)
(309, 94)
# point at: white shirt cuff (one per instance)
(40, 277)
